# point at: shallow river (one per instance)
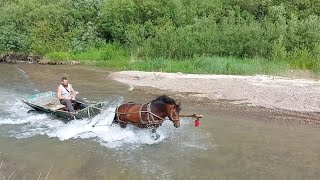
(225, 145)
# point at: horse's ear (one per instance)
(179, 106)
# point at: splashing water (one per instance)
(112, 136)
(21, 124)
(131, 147)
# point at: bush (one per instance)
(173, 29)
(302, 59)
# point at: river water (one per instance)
(225, 145)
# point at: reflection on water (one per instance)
(225, 146)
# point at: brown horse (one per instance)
(149, 115)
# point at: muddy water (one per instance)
(225, 146)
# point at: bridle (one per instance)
(171, 117)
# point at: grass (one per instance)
(211, 65)
(117, 57)
(112, 55)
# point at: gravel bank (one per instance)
(266, 91)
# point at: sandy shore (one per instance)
(266, 91)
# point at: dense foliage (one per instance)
(287, 30)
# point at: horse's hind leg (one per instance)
(115, 119)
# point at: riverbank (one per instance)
(271, 92)
(115, 56)
(196, 65)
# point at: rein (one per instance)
(171, 116)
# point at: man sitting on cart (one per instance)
(67, 95)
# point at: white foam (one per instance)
(21, 125)
(33, 124)
(31, 119)
(27, 125)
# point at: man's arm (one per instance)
(59, 96)
(73, 92)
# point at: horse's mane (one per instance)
(164, 99)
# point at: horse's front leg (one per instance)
(123, 125)
(154, 134)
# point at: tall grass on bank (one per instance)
(112, 55)
(117, 57)
(212, 65)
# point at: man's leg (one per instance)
(68, 103)
(81, 101)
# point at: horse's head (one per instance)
(174, 115)
(172, 109)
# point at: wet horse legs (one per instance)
(155, 135)
(115, 121)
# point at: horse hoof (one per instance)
(123, 126)
(155, 136)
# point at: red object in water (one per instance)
(196, 122)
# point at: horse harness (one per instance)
(152, 118)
